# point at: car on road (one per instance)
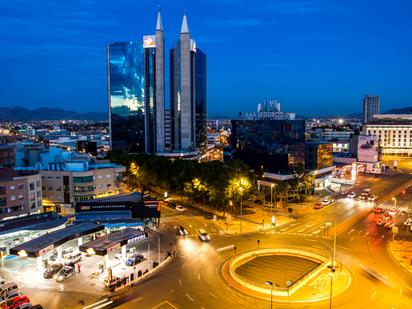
(377, 210)
(52, 270)
(134, 260)
(373, 198)
(64, 273)
(386, 217)
(379, 222)
(182, 231)
(72, 258)
(203, 235)
(180, 208)
(326, 201)
(15, 302)
(389, 224)
(318, 206)
(351, 194)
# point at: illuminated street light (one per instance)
(271, 199)
(165, 194)
(270, 283)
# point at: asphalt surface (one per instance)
(193, 280)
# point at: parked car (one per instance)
(182, 231)
(203, 235)
(129, 251)
(318, 206)
(8, 287)
(52, 270)
(351, 194)
(72, 258)
(53, 257)
(180, 208)
(134, 259)
(15, 302)
(65, 273)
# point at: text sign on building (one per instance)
(113, 248)
(268, 115)
(149, 41)
(45, 250)
(137, 238)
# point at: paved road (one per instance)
(194, 281)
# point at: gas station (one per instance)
(41, 246)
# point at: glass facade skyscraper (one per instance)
(200, 99)
(136, 94)
(269, 145)
(126, 89)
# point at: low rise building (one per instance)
(393, 133)
(20, 193)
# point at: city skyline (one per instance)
(316, 57)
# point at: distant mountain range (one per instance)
(44, 113)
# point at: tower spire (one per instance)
(159, 24)
(185, 27)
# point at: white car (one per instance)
(180, 208)
(326, 202)
(351, 195)
(72, 258)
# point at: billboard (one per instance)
(149, 41)
(367, 148)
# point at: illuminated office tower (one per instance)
(187, 93)
(136, 93)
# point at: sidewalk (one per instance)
(401, 252)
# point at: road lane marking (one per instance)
(164, 302)
(373, 295)
(136, 300)
(188, 296)
(352, 239)
(351, 231)
(313, 240)
(198, 276)
(180, 282)
(213, 294)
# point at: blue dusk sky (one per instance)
(318, 57)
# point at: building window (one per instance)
(21, 197)
(38, 194)
(12, 187)
(12, 198)
(20, 186)
(3, 201)
(31, 186)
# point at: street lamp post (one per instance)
(241, 209)
(270, 283)
(271, 199)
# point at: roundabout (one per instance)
(289, 274)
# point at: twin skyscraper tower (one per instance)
(140, 118)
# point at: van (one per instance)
(72, 258)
